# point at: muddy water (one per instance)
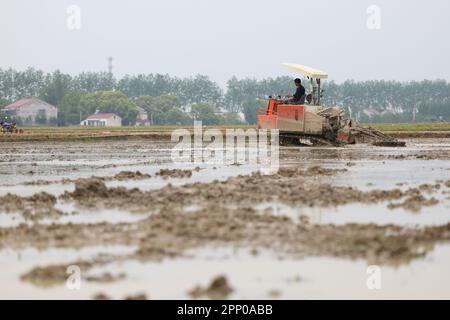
(251, 277)
(27, 169)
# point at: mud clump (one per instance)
(429, 187)
(383, 143)
(317, 170)
(39, 182)
(93, 193)
(130, 175)
(121, 176)
(52, 275)
(34, 207)
(101, 296)
(414, 200)
(174, 173)
(87, 188)
(219, 289)
(93, 188)
(443, 155)
(150, 251)
(139, 296)
(311, 171)
(46, 276)
(274, 293)
(106, 277)
(414, 203)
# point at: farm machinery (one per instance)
(9, 127)
(311, 123)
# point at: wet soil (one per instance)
(292, 186)
(179, 218)
(121, 176)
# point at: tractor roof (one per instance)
(306, 71)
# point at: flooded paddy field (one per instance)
(137, 226)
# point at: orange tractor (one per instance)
(311, 123)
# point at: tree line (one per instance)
(166, 98)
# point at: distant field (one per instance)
(163, 132)
(412, 127)
(99, 130)
(380, 126)
(88, 133)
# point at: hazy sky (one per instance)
(222, 38)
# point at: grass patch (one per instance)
(412, 127)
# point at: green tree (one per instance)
(4, 102)
(251, 107)
(199, 89)
(108, 101)
(152, 85)
(178, 117)
(7, 84)
(232, 118)
(93, 81)
(163, 109)
(239, 91)
(19, 84)
(70, 110)
(57, 85)
(205, 113)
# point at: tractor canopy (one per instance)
(306, 71)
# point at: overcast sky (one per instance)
(222, 38)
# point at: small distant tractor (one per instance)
(9, 127)
(311, 123)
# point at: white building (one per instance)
(142, 118)
(32, 111)
(220, 111)
(102, 120)
(241, 116)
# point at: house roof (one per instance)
(141, 110)
(370, 111)
(99, 116)
(23, 102)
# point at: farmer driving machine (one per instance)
(9, 127)
(311, 123)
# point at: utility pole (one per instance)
(110, 66)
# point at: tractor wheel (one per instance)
(291, 141)
(284, 141)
